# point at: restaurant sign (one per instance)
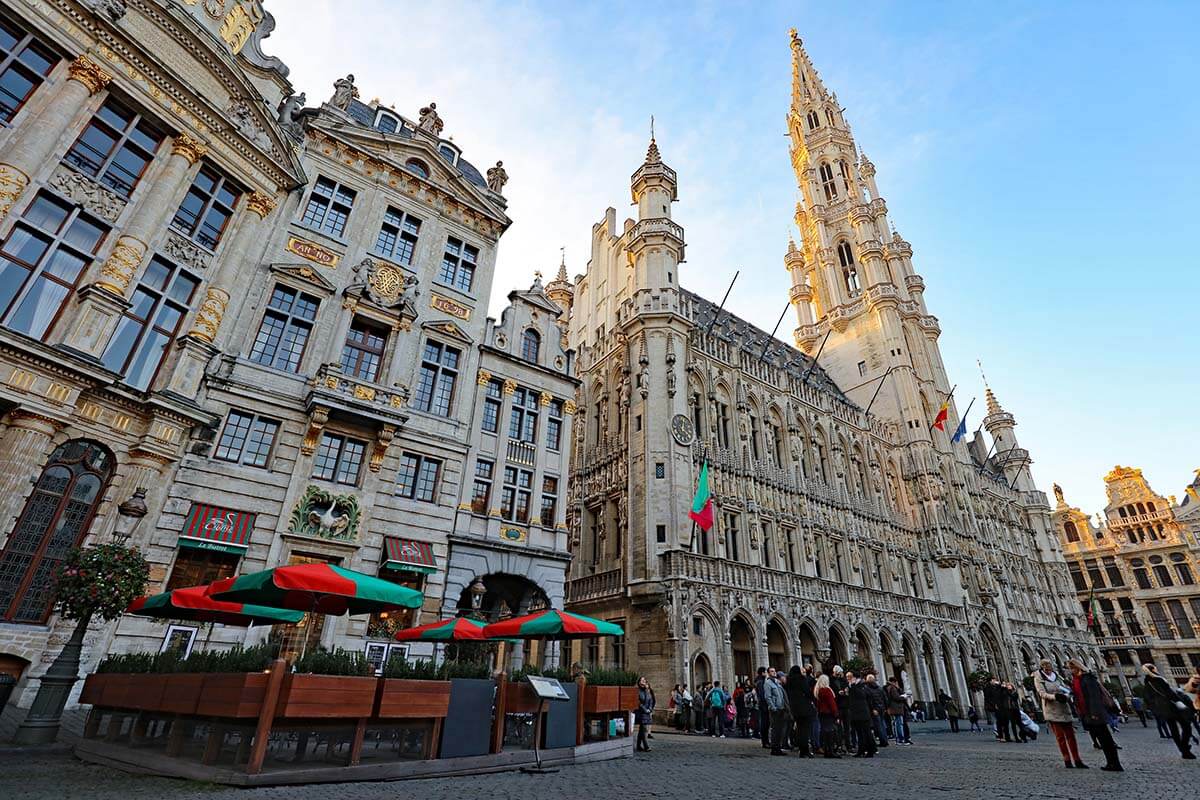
(210, 527)
(313, 252)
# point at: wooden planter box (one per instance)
(324, 696)
(145, 692)
(519, 698)
(232, 694)
(120, 691)
(629, 698)
(182, 693)
(93, 689)
(412, 699)
(601, 699)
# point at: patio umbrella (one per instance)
(194, 605)
(318, 588)
(458, 629)
(552, 624)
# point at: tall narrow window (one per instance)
(398, 236)
(549, 501)
(516, 494)
(723, 424)
(24, 64)
(1182, 624)
(1131, 620)
(458, 265)
(814, 121)
(554, 423)
(733, 538)
(492, 399)
(828, 185)
(481, 491)
(845, 253)
(42, 260)
(789, 535)
(328, 208)
(531, 343)
(1071, 532)
(754, 449)
(1115, 578)
(1094, 575)
(829, 116)
(150, 324)
(435, 383)
(283, 334)
(697, 419)
(418, 477)
(847, 178)
(1162, 625)
(55, 519)
(1182, 570)
(246, 439)
(115, 147)
(207, 208)
(339, 459)
(522, 422)
(363, 351)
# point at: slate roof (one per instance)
(750, 339)
(364, 115)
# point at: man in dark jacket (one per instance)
(840, 687)
(804, 710)
(1169, 704)
(764, 730)
(897, 708)
(858, 708)
(878, 709)
(995, 701)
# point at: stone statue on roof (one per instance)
(429, 121)
(291, 115)
(344, 91)
(497, 177)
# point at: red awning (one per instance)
(223, 526)
(409, 554)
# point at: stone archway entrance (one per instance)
(741, 642)
(701, 670)
(837, 646)
(808, 646)
(507, 596)
(777, 646)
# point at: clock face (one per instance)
(683, 430)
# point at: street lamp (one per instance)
(129, 514)
(477, 590)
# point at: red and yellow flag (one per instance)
(939, 421)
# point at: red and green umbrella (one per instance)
(552, 624)
(194, 605)
(458, 629)
(318, 588)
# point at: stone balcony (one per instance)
(353, 398)
(596, 586)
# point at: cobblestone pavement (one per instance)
(953, 765)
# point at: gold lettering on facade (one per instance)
(311, 251)
(12, 183)
(448, 306)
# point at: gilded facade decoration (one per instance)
(86, 71)
(122, 264)
(189, 147)
(326, 515)
(209, 315)
(260, 203)
(12, 183)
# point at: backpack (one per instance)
(716, 698)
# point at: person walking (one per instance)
(1055, 697)
(858, 707)
(1192, 687)
(802, 704)
(994, 702)
(973, 718)
(1167, 705)
(827, 713)
(1139, 708)
(717, 700)
(840, 687)
(897, 707)
(764, 729)
(952, 712)
(878, 709)
(700, 708)
(644, 714)
(1092, 704)
(777, 710)
(1013, 709)
(753, 712)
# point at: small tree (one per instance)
(978, 679)
(98, 581)
(859, 666)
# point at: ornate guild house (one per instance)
(838, 533)
(267, 321)
(1136, 570)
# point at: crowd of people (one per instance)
(837, 713)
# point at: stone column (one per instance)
(35, 141)
(101, 303)
(23, 450)
(206, 336)
(939, 666)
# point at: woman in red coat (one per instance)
(827, 713)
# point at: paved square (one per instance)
(697, 768)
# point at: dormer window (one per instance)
(417, 167)
(388, 123)
(448, 152)
(531, 343)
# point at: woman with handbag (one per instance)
(1055, 698)
(1170, 705)
(1093, 704)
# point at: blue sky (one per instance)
(1039, 157)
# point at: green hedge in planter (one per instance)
(423, 669)
(333, 662)
(235, 659)
(611, 677)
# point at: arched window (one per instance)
(827, 182)
(417, 167)
(847, 179)
(531, 343)
(829, 116)
(852, 285)
(814, 121)
(1182, 569)
(845, 253)
(55, 519)
(1072, 533)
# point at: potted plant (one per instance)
(414, 690)
(328, 684)
(97, 581)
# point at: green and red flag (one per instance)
(319, 588)
(194, 605)
(551, 624)
(1091, 608)
(702, 510)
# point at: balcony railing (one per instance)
(591, 587)
(354, 397)
(524, 453)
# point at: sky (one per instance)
(1040, 157)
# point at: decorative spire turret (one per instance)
(560, 290)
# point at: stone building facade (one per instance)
(1137, 567)
(271, 316)
(839, 533)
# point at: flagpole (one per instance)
(963, 421)
(771, 338)
(713, 321)
(949, 397)
(821, 349)
(880, 386)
